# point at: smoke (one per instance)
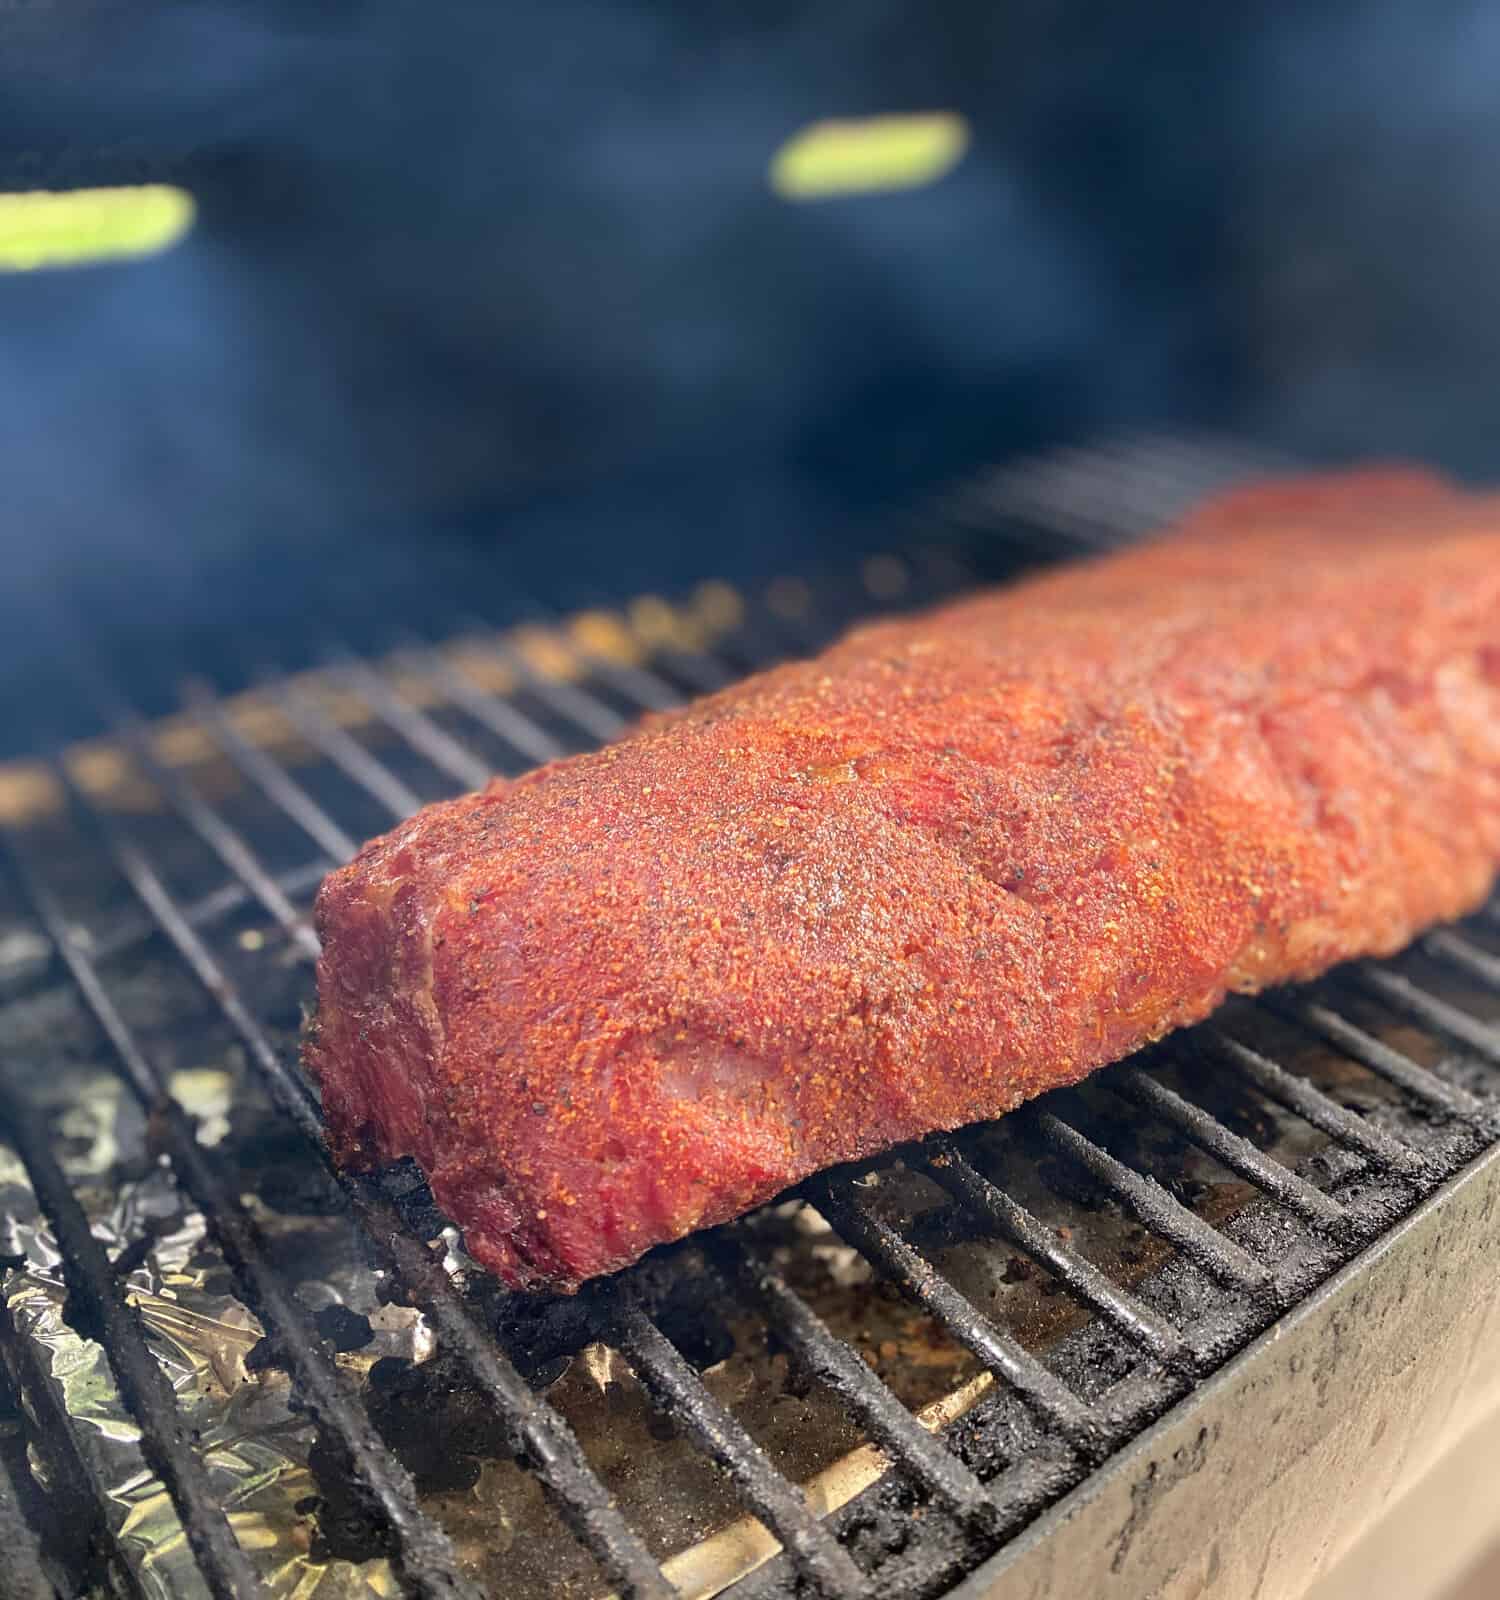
(486, 298)
(471, 284)
(1369, 236)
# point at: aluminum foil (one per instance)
(255, 1446)
(260, 1451)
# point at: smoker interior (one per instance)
(227, 1370)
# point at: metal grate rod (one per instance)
(499, 716)
(89, 1530)
(1095, 497)
(1082, 1278)
(900, 1261)
(270, 775)
(1021, 1491)
(340, 747)
(701, 673)
(213, 907)
(783, 1508)
(423, 1544)
(1382, 1059)
(584, 710)
(1410, 999)
(1236, 1153)
(1315, 1107)
(416, 727)
(1158, 1209)
(638, 684)
(216, 833)
(1456, 951)
(763, 635)
(832, 1362)
(131, 930)
(96, 1292)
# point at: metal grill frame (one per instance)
(974, 1503)
(1284, 1430)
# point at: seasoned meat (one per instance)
(951, 863)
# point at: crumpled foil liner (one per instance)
(259, 1449)
(255, 1446)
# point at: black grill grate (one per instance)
(1043, 1426)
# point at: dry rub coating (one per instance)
(947, 865)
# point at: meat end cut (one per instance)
(952, 862)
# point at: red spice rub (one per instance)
(951, 863)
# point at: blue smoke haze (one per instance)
(493, 297)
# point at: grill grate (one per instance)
(1043, 1425)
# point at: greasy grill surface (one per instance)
(1046, 1285)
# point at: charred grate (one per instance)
(1323, 1159)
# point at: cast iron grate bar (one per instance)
(278, 785)
(699, 673)
(423, 1546)
(99, 1305)
(1453, 949)
(225, 841)
(340, 747)
(1311, 1104)
(1092, 497)
(270, 775)
(212, 907)
(523, 735)
(540, 1433)
(1235, 1152)
(415, 726)
(1430, 1011)
(1159, 1210)
(683, 1397)
(904, 1265)
(597, 722)
(92, 1540)
(1382, 1059)
(1012, 1221)
(574, 704)
(833, 1363)
(1021, 1492)
(570, 701)
(130, 931)
(645, 689)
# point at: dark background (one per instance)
(489, 299)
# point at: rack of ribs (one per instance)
(954, 861)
